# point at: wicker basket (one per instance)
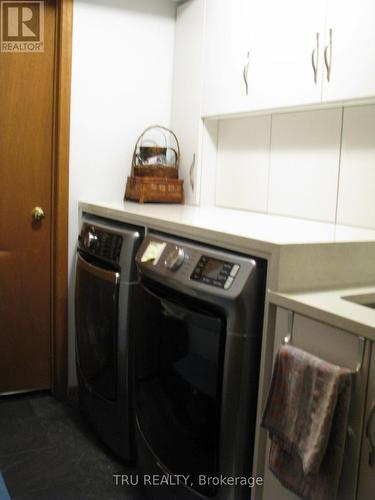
(157, 169)
(155, 183)
(154, 189)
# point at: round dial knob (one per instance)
(90, 238)
(175, 258)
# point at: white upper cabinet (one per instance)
(268, 54)
(259, 54)
(286, 43)
(226, 56)
(351, 55)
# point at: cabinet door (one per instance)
(187, 93)
(339, 347)
(366, 487)
(226, 48)
(283, 46)
(352, 58)
(274, 42)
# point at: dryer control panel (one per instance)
(194, 265)
(215, 272)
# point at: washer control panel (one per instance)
(215, 272)
(99, 242)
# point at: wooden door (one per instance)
(26, 156)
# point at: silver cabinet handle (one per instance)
(315, 59)
(361, 354)
(288, 336)
(191, 173)
(371, 457)
(326, 50)
(245, 73)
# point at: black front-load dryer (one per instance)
(106, 278)
(197, 336)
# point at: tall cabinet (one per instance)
(187, 93)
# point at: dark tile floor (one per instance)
(48, 453)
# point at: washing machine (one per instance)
(198, 334)
(106, 278)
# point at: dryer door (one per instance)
(96, 306)
(179, 368)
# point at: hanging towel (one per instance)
(306, 415)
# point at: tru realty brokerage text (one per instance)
(185, 480)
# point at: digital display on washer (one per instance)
(215, 272)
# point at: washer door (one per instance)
(179, 368)
(96, 306)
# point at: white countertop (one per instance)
(259, 230)
(302, 254)
(330, 307)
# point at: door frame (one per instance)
(60, 198)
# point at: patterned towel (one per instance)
(306, 415)
(4, 495)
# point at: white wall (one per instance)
(318, 165)
(121, 83)
(356, 201)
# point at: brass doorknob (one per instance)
(38, 214)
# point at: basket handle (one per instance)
(141, 138)
(161, 133)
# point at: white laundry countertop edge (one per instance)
(329, 306)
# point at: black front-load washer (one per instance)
(106, 278)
